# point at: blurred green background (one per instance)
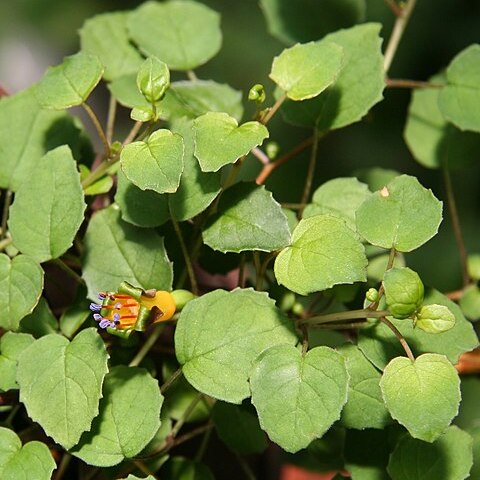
(38, 33)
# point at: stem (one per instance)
(98, 127)
(310, 172)
(5, 243)
(168, 383)
(180, 422)
(132, 133)
(149, 343)
(191, 75)
(245, 467)
(99, 172)
(71, 273)
(63, 466)
(457, 230)
(262, 270)
(257, 265)
(304, 330)
(203, 446)
(7, 201)
(397, 10)
(401, 83)
(397, 333)
(273, 110)
(143, 468)
(112, 110)
(397, 33)
(340, 316)
(340, 326)
(391, 258)
(241, 271)
(186, 256)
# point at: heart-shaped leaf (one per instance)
(219, 140)
(21, 284)
(298, 397)
(324, 252)
(11, 346)
(422, 395)
(155, 164)
(61, 383)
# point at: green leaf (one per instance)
(144, 208)
(16, 460)
(449, 457)
(298, 397)
(470, 303)
(365, 407)
(48, 209)
(106, 36)
(220, 334)
(473, 265)
(11, 346)
(219, 140)
(103, 185)
(133, 477)
(76, 314)
(197, 189)
(380, 345)
(129, 418)
(435, 319)
(238, 427)
(40, 322)
(180, 468)
(423, 395)
(403, 215)
(306, 70)
(433, 141)
(324, 252)
(248, 218)
(69, 83)
(459, 101)
(357, 89)
(303, 20)
(153, 79)
(61, 383)
(339, 197)
(155, 164)
(21, 284)
(183, 34)
(116, 251)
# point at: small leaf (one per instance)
(129, 418)
(452, 453)
(183, 34)
(117, 251)
(48, 209)
(11, 346)
(324, 252)
(21, 284)
(422, 395)
(103, 185)
(459, 101)
(76, 314)
(306, 70)
(15, 460)
(40, 322)
(365, 407)
(435, 319)
(61, 383)
(219, 140)
(155, 164)
(298, 397)
(248, 218)
(180, 468)
(340, 197)
(106, 36)
(69, 83)
(403, 215)
(219, 335)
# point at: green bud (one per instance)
(116, 147)
(142, 114)
(434, 319)
(297, 309)
(473, 265)
(287, 302)
(272, 150)
(182, 297)
(470, 303)
(372, 295)
(403, 292)
(153, 79)
(257, 93)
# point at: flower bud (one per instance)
(372, 295)
(153, 79)
(257, 93)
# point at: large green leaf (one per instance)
(21, 284)
(106, 36)
(183, 34)
(11, 346)
(48, 209)
(380, 345)
(324, 252)
(32, 461)
(340, 197)
(298, 397)
(423, 395)
(306, 70)
(219, 140)
(403, 215)
(248, 218)
(358, 87)
(304, 20)
(156, 163)
(459, 101)
(69, 83)
(365, 407)
(220, 334)
(61, 383)
(116, 251)
(449, 458)
(129, 418)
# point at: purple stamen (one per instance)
(106, 323)
(116, 317)
(118, 306)
(97, 317)
(95, 308)
(101, 296)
